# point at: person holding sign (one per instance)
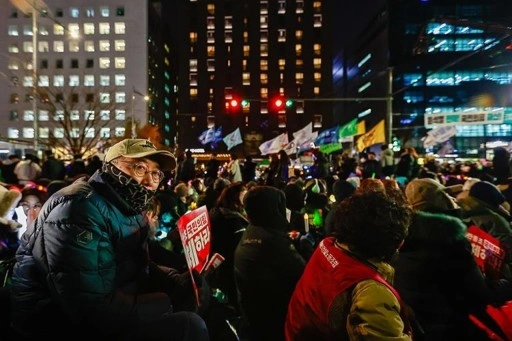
(83, 266)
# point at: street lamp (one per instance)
(146, 98)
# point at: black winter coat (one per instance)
(437, 276)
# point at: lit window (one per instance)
(27, 30)
(120, 80)
(74, 12)
(74, 46)
(119, 28)
(263, 21)
(74, 80)
(300, 6)
(210, 23)
(317, 6)
(58, 46)
(264, 94)
(104, 45)
(89, 46)
(192, 63)
(120, 97)
(317, 49)
(13, 133)
(44, 132)
(28, 133)
(88, 28)
(59, 116)
(58, 30)
(298, 35)
(74, 30)
(298, 50)
(105, 116)
(58, 133)
(105, 133)
(75, 132)
(247, 50)
(44, 115)
(246, 78)
(119, 131)
(299, 78)
(13, 65)
(299, 62)
(228, 23)
(104, 28)
(210, 64)
(120, 62)
(210, 37)
(317, 63)
(281, 35)
(89, 80)
(43, 46)
(89, 12)
(43, 30)
(119, 45)
(120, 115)
(58, 81)
(317, 121)
(28, 115)
(104, 12)
(317, 20)
(264, 78)
(104, 97)
(264, 50)
(192, 78)
(264, 7)
(317, 76)
(13, 30)
(27, 46)
(193, 37)
(210, 8)
(13, 48)
(89, 132)
(282, 7)
(281, 121)
(264, 36)
(193, 92)
(104, 62)
(210, 50)
(246, 37)
(228, 36)
(316, 90)
(44, 81)
(281, 63)
(27, 81)
(104, 80)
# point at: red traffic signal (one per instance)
(277, 103)
(232, 104)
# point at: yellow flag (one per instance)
(361, 128)
(375, 135)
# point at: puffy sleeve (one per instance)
(375, 314)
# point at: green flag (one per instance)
(349, 129)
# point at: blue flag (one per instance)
(328, 136)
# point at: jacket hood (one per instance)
(266, 207)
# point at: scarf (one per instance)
(136, 195)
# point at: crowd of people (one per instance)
(369, 247)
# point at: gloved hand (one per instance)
(181, 290)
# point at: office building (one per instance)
(450, 63)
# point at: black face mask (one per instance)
(136, 195)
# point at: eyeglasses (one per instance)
(141, 170)
(27, 206)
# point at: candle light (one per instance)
(306, 222)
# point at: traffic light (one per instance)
(232, 104)
(280, 103)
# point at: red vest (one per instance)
(329, 272)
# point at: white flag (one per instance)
(442, 133)
(233, 139)
(274, 145)
(303, 135)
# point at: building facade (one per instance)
(73, 71)
(450, 63)
(250, 51)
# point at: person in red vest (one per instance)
(345, 292)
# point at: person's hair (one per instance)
(372, 223)
(412, 151)
(370, 184)
(283, 157)
(230, 197)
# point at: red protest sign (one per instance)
(488, 251)
(194, 228)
